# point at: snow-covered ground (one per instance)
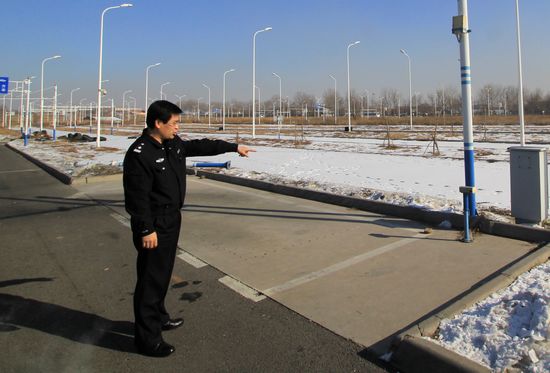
(510, 328)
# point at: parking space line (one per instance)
(339, 266)
(121, 219)
(190, 259)
(242, 289)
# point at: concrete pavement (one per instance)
(362, 275)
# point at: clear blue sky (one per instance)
(196, 41)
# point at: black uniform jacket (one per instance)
(154, 176)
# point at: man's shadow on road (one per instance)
(78, 326)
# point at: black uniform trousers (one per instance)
(154, 270)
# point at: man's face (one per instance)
(168, 130)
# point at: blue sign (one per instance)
(4, 84)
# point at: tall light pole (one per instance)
(179, 98)
(488, 103)
(349, 89)
(42, 90)
(199, 109)
(410, 89)
(72, 114)
(123, 103)
(28, 82)
(135, 103)
(520, 81)
(223, 106)
(99, 89)
(335, 102)
(280, 92)
(161, 86)
(254, 79)
(80, 108)
(209, 112)
(147, 89)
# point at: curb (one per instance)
(484, 225)
(412, 353)
(58, 174)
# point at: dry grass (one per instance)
(454, 120)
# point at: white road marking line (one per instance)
(242, 289)
(121, 219)
(190, 259)
(14, 171)
(338, 266)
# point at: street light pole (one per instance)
(254, 80)
(223, 106)
(410, 89)
(42, 90)
(147, 89)
(520, 81)
(199, 109)
(349, 90)
(335, 102)
(280, 92)
(99, 89)
(71, 110)
(209, 111)
(161, 86)
(123, 103)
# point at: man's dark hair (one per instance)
(161, 110)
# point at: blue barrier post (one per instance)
(468, 193)
(212, 164)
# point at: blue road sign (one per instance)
(4, 84)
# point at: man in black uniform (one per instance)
(154, 192)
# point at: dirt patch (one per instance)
(99, 169)
(107, 149)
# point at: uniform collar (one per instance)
(149, 138)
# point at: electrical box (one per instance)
(529, 183)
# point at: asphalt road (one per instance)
(66, 283)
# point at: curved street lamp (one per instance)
(223, 106)
(335, 104)
(349, 91)
(254, 79)
(410, 90)
(209, 112)
(42, 90)
(99, 89)
(147, 89)
(161, 86)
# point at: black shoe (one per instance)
(162, 349)
(172, 324)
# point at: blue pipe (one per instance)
(54, 137)
(209, 164)
(467, 216)
(470, 176)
